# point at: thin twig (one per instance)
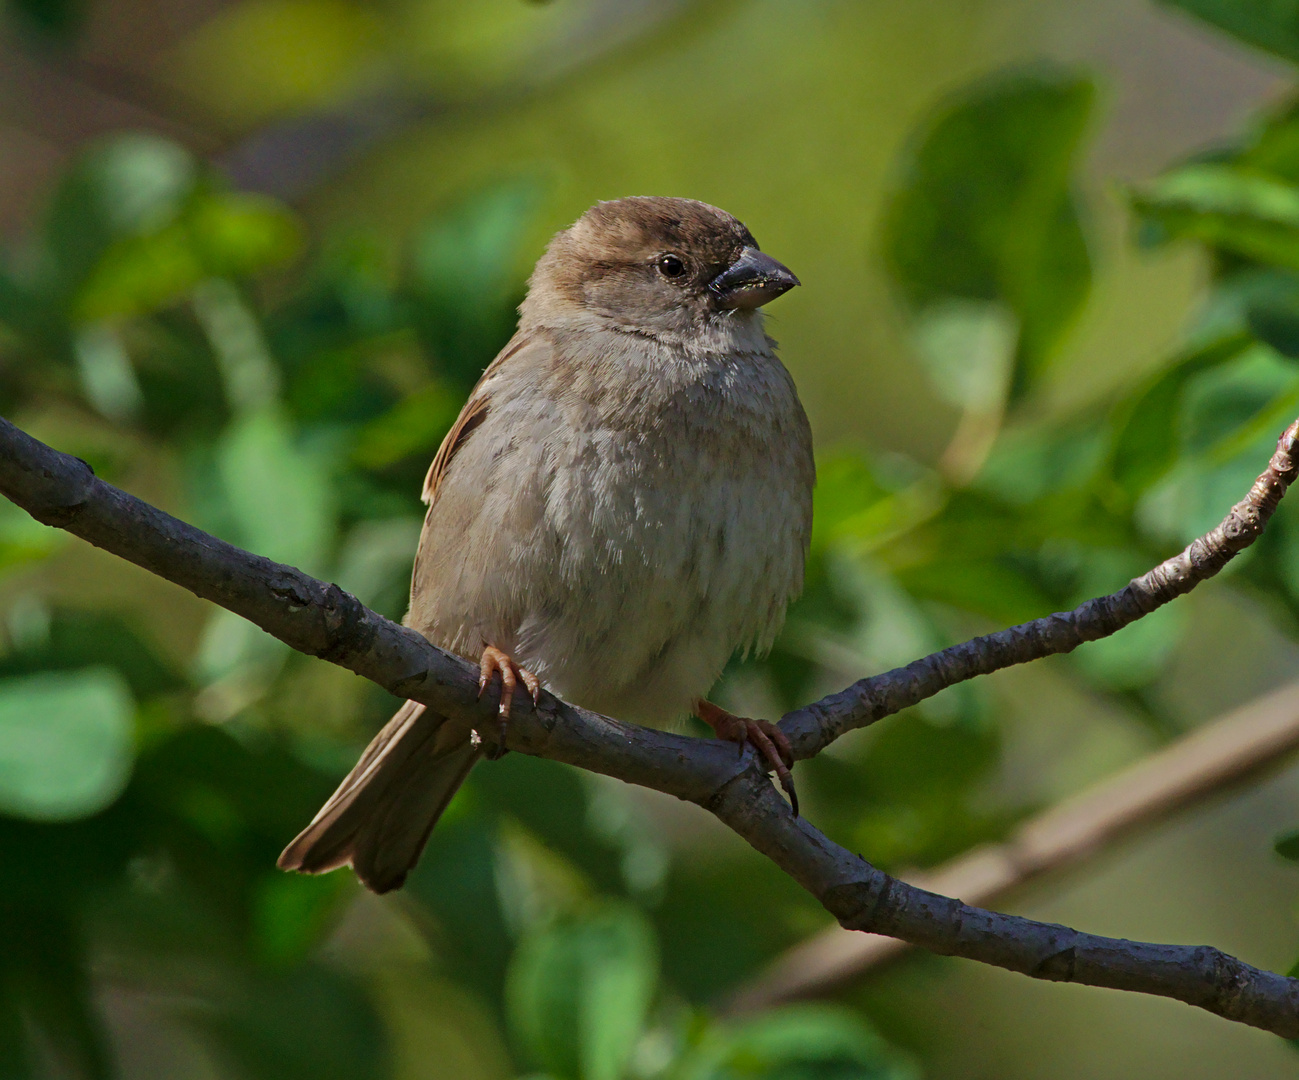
(1196, 767)
(323, 620)
(812, 728)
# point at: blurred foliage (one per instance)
(50, 22)
(144, 794)
(285, 389)
(1271, 25)
(983, 235)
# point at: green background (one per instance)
(254, 256)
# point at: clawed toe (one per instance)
(769, 740)
(773, 746)
(493, 662)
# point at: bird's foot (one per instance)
(494, 662)
(766, 736)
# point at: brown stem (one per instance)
(812, 728)
(1196, 767)
(324, 621)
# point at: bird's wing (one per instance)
(382, 813)
(473, 414)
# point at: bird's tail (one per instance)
(382, 813)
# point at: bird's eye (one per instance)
(671, 266)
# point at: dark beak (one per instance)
(751, 281)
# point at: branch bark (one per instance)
(1196, 767)
(322, 620)
(812, 728)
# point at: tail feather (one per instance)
(379, 819)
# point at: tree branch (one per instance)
(1204, 763)
(812, 728)
(322, 620)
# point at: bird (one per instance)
(623, 504)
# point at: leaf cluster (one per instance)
(286, 391)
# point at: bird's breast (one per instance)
(684, 509)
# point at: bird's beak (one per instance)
(751, 281)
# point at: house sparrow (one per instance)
(624, 502)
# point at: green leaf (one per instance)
(415, 424)
(854, 510)
(23, 539)
(279, 494)
(1145, 445)
(1272, 25)
(236, 233)
(968, 347)
(139, 274)
(471, 254)
(846, 488)
(1286, 524)
(889, 628)
(1248, 299)
(467, 275)
(275, 498)
(291, 911)
(1287, 845)
(988, 587)
(237, 662)
(69, 640)
(217, 235)
(126, 186)
(1227, 422)
(1221, 407)
(914, 798)
(234, 332)
(65, 743)
(1033, 462)
(107, 377)
(1235, 209)
(456, 882)
(1275, 147)
(1272, 311)
(799, 1042)
(986, 210)
(579, 990)
(1133, 657)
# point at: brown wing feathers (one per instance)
(382, 813)
(473, 414)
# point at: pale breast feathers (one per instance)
(618, 516)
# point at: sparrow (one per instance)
(623, 504)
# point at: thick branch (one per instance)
(864, 898)
(811, 729)
(324, 621)
(1197, 767)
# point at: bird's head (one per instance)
(656, 266)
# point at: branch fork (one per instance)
(324, 621)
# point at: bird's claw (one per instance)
(493, 662)
(765, 736)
